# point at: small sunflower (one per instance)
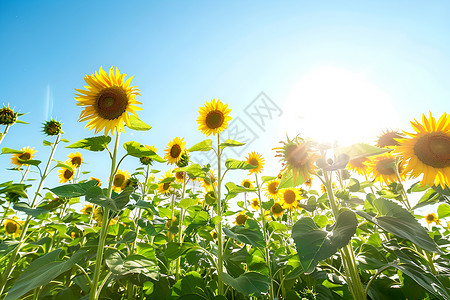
(382, 168)
(87, 209)
(357, 165)
(166, 186)
(76, 159)
(255, 203)
(241, 218)
(66, 174)
(52, 127)
(13, 227)
(180, 176)
(308, 182)
(388, 139)
(108, 101)
(98, 215)
(208, 185)
(430, 218)
(214, 117)
(427, 151)
(145, 160)
(271, 189)
(277, 209)
(175, 150)
(120, 180)
(247, 183)
(297, 155)
(26, 154)
(289, 198)
(99, 183)
(255, 159)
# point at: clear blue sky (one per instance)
(183, 54)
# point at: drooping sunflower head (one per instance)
(87, 209)
(13, 227)
(76, 159)
(145, 160)
(214, 117)
(108, 101)
(289, 198)
(271, 189)
(277, 209)
(19, 159)
(120, 180)
(241, 218)
(431, 217)
(357, 165)
(298, 155)
(255, 159)
(175, 150)
(165, 183)
(427, 151)
(255, 203)
(52, 127)
(7, 116)
(66, 174)
(99, 183)
(388, 139)
(247, 183)
(382, 168)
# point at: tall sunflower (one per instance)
(66, 174)
(76, 159)
(214, 117)
(382, 168)
(26, 154)
(289, 198)
(255, 159)
(108, 101)
(271, 189)
(427, 151)
(120, 180)
(297, 155)
(175, 150)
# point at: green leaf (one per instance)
(287, 180)
(175, 250)
(205, 145)
(194, 170)
(360, 150)
(132, 264)
(137, 150)
(268, 178)
(187, 202)
(73, 190)
(443, 211)
(250, 283)
(47, 143)
(41, 271)
(314, 244)
(137, 124)
(231, 143)
(234, 164)
(268, 204)
(11, 151)
(96, 143)
(250, 234)
(6, 246)
(429, 197)
(191, 287)
(353, 185)
(32, 162)
(34, 212)
(95, 195)
(233, 188)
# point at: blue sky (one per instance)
(348, 66)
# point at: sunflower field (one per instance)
(334, 223)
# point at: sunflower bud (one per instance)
(184, 160)
(145, 160)
(52, 127)
(7, 116)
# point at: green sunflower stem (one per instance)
(219, 226)
(180, 232)
(2, 136)
(94, 293)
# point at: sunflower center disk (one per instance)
(175, 151)
(289, 197)
(272, 187)
(214, 119)
(277, 209)
(296, 156)
(434, 150)
(112, 103)
(166, 185)
(246, 184)
(386, 166)
(119, 180)
(76, 161)
(68, 174)
(11, 227)
(25, 156)
(254, 162)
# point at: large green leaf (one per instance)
(250, 233)
(96, 143)
(132, 264)
(287, 180)
(192, 286)
(205, 145)
(11, 151)
(234, 164)
(137, 124)
(443, 211)
(194, 170)
(400, 222)
(429, 197)
(25, 207)
(95, 195)
(73, 190)
(233, 188)
(137, 150)
(230, 143)
(315, 244)
(41, 271)
(248, 284)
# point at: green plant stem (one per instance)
(12, 260)
(180, 232)
(94, 293)
(5, 213)
(219, 226)
(4, 133)
(373, 278)
(402, 191)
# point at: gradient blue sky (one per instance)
(359, 64)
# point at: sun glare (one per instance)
(336, 105)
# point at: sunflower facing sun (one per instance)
(108, 101)
(66, 174)
(76, 159)
(289, 198)
(214, 117)
(382, 168)
(427, 151)
(271, 189)
(255, 159)
(19, 159)
(175, 150)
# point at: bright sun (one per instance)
(331, 105)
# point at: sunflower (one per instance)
(297, 155)
(428, 150)
(7, 116)
(430, 218)
(271, 189)
(289, 198)
(145, 160)
(98, 215)
(255, 203)
(214, 117)
(208, 184)
(66, 174)
(165, 186)
(26, 154)
(357, 165)
(107, 101)
(382, 168)
(247, 183)
(76, 159)
(87, 209)
(277, 209)
(13, 227)
(120, 180)
(241, 218)
(388, 139)
(99, 183)
(175, 150)
(255, 159)
(308, 183)
(52, 127)
(180, 176)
